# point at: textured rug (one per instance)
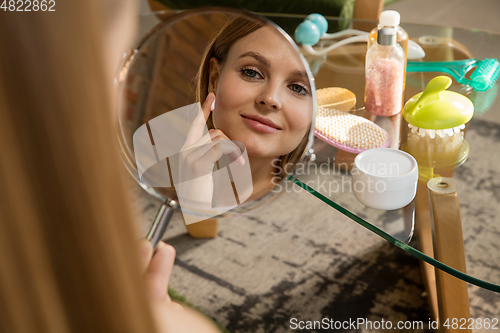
(303, 261)
(300, 260)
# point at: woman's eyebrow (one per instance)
(300, 74)
(257, 57)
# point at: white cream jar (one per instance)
(384, 178)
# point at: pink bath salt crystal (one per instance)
(384, 87)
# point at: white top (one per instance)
(389, 18)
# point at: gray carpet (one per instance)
(298, 258)
(305, 261)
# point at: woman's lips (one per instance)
(261, 124)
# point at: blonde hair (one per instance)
(66, 260)
(219, 48)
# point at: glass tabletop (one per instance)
(477, 173)
(476, 169)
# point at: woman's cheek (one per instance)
(301, 118)
(226, 111)
(230, 91)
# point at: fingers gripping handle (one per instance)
(160, 224)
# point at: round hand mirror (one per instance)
(216, 108)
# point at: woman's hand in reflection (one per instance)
(198, 156)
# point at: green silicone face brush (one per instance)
(483, 77)
(436, 122)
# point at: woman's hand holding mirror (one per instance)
(157, 265)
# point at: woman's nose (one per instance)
(270, 98)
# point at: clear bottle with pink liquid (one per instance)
(384, 75)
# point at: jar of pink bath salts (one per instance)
(384, 75)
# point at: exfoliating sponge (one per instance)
(340, 99)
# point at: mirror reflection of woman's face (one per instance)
(263, 96)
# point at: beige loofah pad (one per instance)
(348, 131)
(334, 97)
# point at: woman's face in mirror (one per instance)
(263, 99)
(263, 95)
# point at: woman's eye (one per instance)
(298, 89)
(250, 73)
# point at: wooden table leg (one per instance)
(423, 231)
(452, 294)
(203, 229)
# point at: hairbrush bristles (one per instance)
(349, 132)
